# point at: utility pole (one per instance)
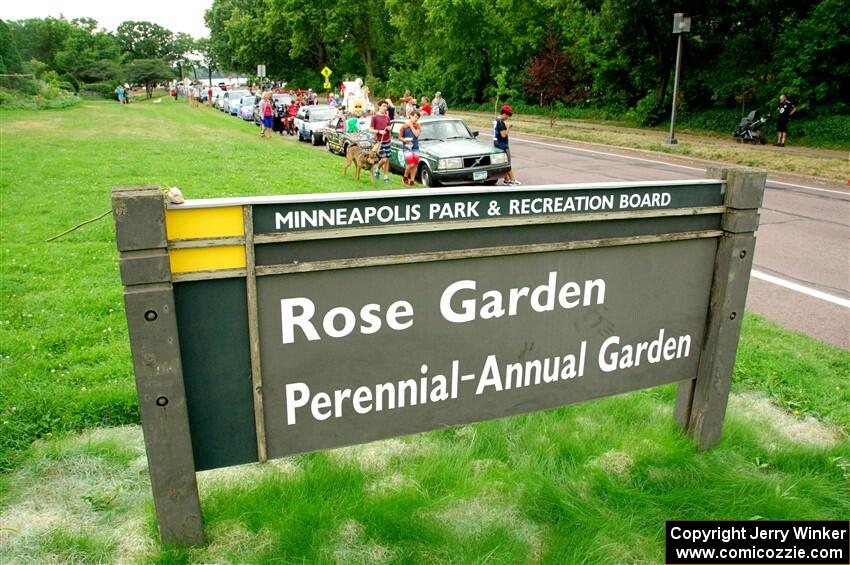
(681, 25)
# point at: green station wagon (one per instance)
(450, 154)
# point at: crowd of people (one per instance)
(279, 118)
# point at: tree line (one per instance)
(615, 54)
(78, 55)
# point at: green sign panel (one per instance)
(264, 327)
(363, 354)
(395, 209)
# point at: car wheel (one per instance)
(329, 148)
(345, 150)
(314, 140)
(427, 177)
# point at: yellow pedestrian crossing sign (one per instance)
(326, 72)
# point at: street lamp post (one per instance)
(681, 25)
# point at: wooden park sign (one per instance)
(267, 326)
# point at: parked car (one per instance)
(223, 100)
(310, 121)
(450, 154)
(338, 139)
(218, 99)
(231, 98)
(216, 93)
(246, 107)
(235, 103)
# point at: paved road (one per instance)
(801, 272)
(803, 241)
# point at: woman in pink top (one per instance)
(265, 109)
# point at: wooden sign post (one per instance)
(268, 326)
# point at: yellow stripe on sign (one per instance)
(198, 223)
(207, 258)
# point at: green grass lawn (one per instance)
(591, 483)
(64, 353)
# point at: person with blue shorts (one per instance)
(266, 111)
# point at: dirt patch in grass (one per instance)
(79, 497)
(233, 541)
(799, 430)
(352, 546)
(614, 462)
(488, 466)
(227, 477)
(392, 484)
(378, 455)
(470, 518)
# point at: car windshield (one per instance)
(248, 99)
(444, 129)
(320, 114)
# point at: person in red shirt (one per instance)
(425, 107)
(380, 126)
(291, 112)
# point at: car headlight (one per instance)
(499, 158)
(452, 163)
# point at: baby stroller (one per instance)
(749, 131)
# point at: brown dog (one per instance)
(363, 159)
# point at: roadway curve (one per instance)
(801, 276)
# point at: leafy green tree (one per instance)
(207, 60)
(216, 18)
(87, 24)
(41, 38)
(145, 40)
(10, 58)
(149, 72)
(184, 50)
(362, 27)
(90, 54)
(812, 60)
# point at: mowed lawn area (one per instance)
(591, 483)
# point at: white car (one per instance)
(232, 97)
(311, 121)
(216, 94)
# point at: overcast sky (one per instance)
(177, 15)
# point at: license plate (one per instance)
(479, 175)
